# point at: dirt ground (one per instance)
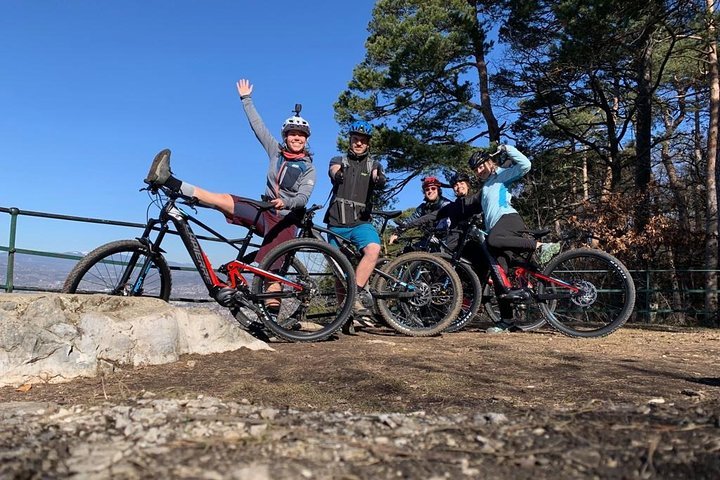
(652, 395)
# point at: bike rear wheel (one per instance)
(123, 268)
(422, 295)
(605, 298)
(316, 311)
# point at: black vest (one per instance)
(350, 203)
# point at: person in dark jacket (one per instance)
(355, 176)
(433, 199)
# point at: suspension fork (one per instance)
(153, 250)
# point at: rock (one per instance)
(55, 337)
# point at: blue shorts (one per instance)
(360, 235)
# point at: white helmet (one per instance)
(296, 123)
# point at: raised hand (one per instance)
(244, 87)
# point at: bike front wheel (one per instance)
(589, 293)
(123, 268)
(315, 296)
(472, 295)
(418, 294)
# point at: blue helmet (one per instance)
(361, 127)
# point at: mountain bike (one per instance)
(417, 294)
(582, 292)
(435, 242)
(307, 271)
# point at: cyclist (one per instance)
(289, 182)
(433, 199)
(354, 177)
(460, 183)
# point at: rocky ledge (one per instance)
(56, 337)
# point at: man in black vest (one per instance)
(354, 177)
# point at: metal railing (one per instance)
(12, 250)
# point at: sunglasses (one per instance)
(430, 189)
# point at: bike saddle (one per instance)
(262, 205)
(388, 214)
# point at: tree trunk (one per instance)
(643, 133)
(478, 43)
(711, 244)
(677, 186)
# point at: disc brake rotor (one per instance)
(423, 295)
(440, 295)
(587, 295)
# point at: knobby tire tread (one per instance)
(619, 320)
(342, 262)
(456, 301)
(131, 246)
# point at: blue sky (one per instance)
(91, 90)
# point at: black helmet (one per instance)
(478, 157)
(460, 177)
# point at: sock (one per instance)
(173, 183)
(187, 189)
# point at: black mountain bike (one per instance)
(582, 292)
(417, 294)
(306, 272)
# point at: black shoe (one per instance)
(348, 328)
(160, 169)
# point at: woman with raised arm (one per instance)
(289, 183)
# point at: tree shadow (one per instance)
(709, 381)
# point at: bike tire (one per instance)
(472, 295)
(101, 270)
(527, 316)
(436, 292)
(607, 294)
(318, 311)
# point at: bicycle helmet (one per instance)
(361, 127)
(460, 177)
(431, 182)
(296, 123)
(478, 157)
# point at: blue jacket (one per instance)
(496, 196)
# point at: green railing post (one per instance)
(11, 250)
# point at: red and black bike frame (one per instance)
(170, 213)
